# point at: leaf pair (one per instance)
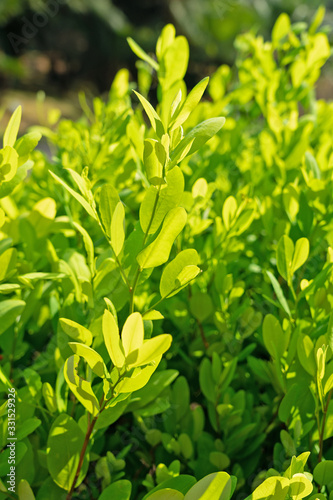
(291, 257)
(131, 350)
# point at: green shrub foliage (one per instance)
(166, 283)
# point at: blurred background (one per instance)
(54, 48)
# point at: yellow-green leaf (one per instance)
(190, 103)
(133, 333)
(139, 378)
(179, 272)
(117, 228)
(149, 350)
(112, 340)
(158, 201)
(301, 254)
(159, 250)
(94, 360)
(76, 331)
(229, 211)
(12, 128)
(80, 387)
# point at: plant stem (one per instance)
(138, 271)
(321, 436)
(83, 450)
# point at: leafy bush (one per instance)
(207, 219)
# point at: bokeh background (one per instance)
(51, 49)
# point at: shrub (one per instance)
(207, 219)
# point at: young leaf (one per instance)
(229, 211)
(93, 359)
(117, 228)
(154, 158)
(149, 350)
(24, 491)
(157, 203)
(108, 200)
(138, 51)
(279, 293)
(80, 387)
(301, 254)
(197, 137)
(275, 340)
(133, 333)
(138, 379)
(154, 119)
(12, 128)
(168, 284)
(112, 340)
(76, 195)
(217, 485)
(190, 103)
(76, 331)
(159, 250)
(8, 164)
(284, 257)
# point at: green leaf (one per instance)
(26, 144)
(229, 212)
(158, 202)
(138, 379)
(94, 360)
(301, 254)
(217, 485)
(9, 311)
(80, 387)
(151, 315)
(312, 165)
(190, 103)
(12, 128)
(76, 331)
(279, 293)
(133, 333)
(323, 473)
(273, 488)
(299, 487)
(159, 250)
(154, 119)
(281, 29)
(305, 352)
(120, 490)
(329, 333)
(275, 340)
(201, 306)
(117, 228)
(112, 340)
(108, 200)
(166, 494)
(7, 187)
(154, 158)
(138, 51)
(7, 262)
(149, 350)
(24, 491)
(89, 246)
(197, 137)
(181, 483)
(284, 257)
(49, 397)
(64, 445)
(172, 280)
(77, 196)
(8, 164)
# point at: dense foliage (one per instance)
(166, 284)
